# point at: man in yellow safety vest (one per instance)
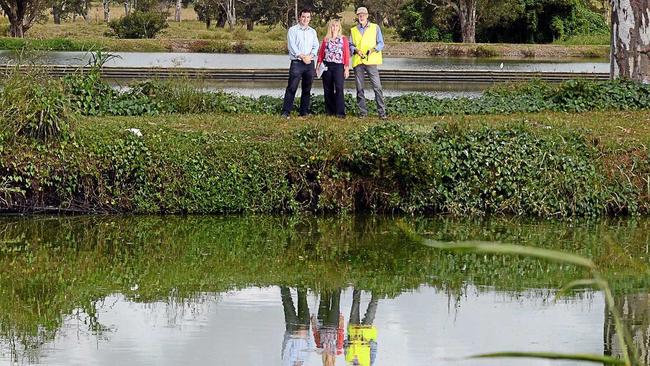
(365, 47)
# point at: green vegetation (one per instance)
(511, 21)
(158, 97)
(514, 167)
(213, 163)
(32, 108)
(191, 35)
(139, 24)
(598, 39)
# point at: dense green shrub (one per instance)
(139, 24)
(92, 96)
(511, 169)
(33, 108)
(417, 24)
(513, 21)
(535, 21)
(486, 170)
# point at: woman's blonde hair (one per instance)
(329, 34)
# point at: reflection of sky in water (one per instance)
(276, 89)
(246, 327)
(244, 61)
(256, 92)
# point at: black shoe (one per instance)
(285, 115)
(384, 117)
(305, 115)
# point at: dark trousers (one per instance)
(295, 320)
(297, 71)
(369, 317)
(333, 86)
(329, 308)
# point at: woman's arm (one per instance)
(346, 57)
(321, 52)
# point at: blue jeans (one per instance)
(297, 71)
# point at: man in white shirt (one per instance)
(302, 43)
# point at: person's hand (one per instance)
(346, 73)
(307, 59)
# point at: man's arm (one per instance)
(292, 44)
(380, 40)
(353, 48)
(314, 44)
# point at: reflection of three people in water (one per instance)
(360, 346)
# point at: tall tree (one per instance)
(63, 9)
(106, 4)
(22, 14)
(177, 11)
(229, 8)
(630, 46)
(466, 11)
(209, 10)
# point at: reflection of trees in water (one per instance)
(51, 267)
(635, 310)
(20, 349)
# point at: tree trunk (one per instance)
(107, 10)
(467, 15)
(177, 13)
(17, 30)
(56, 14)
(231, 15)
(296, 12)
(21, 16)
(630, 48)
(127, 7)
(250, 24)
(207, 23)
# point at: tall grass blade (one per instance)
(608, 360)
(498, 248)
(587, 282)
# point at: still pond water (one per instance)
(257, 61)
(303, 291)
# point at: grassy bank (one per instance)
(203, 152)
(530, 164)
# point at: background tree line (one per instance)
(515, 21)
(512, 21)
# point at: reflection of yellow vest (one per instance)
(365, 43)
(359, 337)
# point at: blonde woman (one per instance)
(334, 53)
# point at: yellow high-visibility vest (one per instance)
(359, 337)
(364, 43)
